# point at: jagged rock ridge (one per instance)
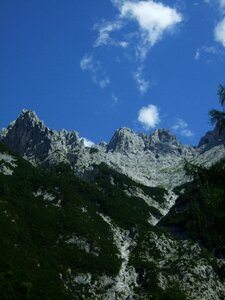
(212, 138)
(149, 159)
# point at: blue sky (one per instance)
(94, 66)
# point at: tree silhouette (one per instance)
(216, 116)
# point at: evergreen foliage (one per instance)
(218, 117)
(199, 213)
(34, 231)
(34, 254)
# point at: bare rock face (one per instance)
(212, 138)
(29, 136)
(148, 159)
(162, 141)
(126, 140)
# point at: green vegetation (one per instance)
(199, 213)
(34, 255)
(218, 117)
(147, 257)
(126, 211)
(36, 260)
(34, 231)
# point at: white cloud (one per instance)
(206, 51)
(219, 32)
(181, 127)
(154, 18)
(104, 31)
(222, 3)
(197, 54)
(142, 84)
(117, 3)
(210, 50)
(187, 133)
(180, 124)
(115, 99)
(123, 44)
(149, 116)
(87, 143)
(207, 1)
(88, 63)
(103, 83)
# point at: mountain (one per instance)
(199, 211)
(29, 136)
(212, 138)
(148, 159)
(65, 238)
(140, 217)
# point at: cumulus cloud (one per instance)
(219, 32)
(154, 19)
(90, 64)
(181, 127)
(149, 116)
(142, 84)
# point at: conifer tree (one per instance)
(216, 116)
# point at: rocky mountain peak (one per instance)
(124, 132)
(145, 158)
(25, 133)
(164, 136)
(29, 119)
(29, 136)
(125, 140)
(162, 141)
(211, 139)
